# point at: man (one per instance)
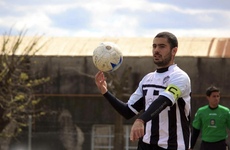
(213, 120)
(164, 97)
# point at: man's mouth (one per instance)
(157, 56)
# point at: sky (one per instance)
(115, 18)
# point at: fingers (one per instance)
(99, 77)
(101, 82)
(135, 135)
(137, 130)
(132, 137)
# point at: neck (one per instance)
(213, 106)
(161, 70)
(166, 66)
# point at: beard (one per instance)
(162, 62)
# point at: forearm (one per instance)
(155, 108)
(195, 134)
(121, 107)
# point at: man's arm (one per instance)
(155, 108)
(195, 134)
(121, 107)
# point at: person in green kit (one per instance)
(212, 120)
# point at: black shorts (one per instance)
(145, 146)
(220, 145)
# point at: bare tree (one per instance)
(17, 86)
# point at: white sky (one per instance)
(116, 18)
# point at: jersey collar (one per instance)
(161, 70)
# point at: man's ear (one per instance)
(174, 50)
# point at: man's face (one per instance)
(162, 53)
(214, 99)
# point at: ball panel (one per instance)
(117, 65)
(107, 57)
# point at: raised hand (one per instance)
(101, 83)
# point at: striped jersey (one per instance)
(170, 129)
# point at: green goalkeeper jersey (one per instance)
(213, 123)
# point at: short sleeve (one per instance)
(228, 120)
(197, 121)
(179, 86)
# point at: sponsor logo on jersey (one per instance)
(212, 123)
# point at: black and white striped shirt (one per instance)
(170, 129)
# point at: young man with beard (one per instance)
(164, 97)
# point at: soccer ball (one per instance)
(107, 57)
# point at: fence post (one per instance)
(30, 132)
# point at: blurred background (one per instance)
(49, 100)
